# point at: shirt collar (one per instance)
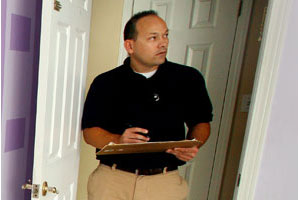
(130, 70)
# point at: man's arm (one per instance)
(99, 137)
(200, 132)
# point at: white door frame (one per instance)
(127, 13)
(263, 92)
(231, 91)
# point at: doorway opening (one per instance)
(240, 116)
(241, 106)
(11, 146)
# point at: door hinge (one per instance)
(57, 5)
(239, 13)
(238, 181)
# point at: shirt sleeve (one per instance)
(96, 107)
(198, 107)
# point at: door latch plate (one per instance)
(35, 191)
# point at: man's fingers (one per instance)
(181, 156)
(138, 130)
(139, 138)
(134, 140)
(132, 137)
(187, 150)
(184, 154)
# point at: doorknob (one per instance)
(46, 188)
(35, 189)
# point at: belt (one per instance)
(151, 171)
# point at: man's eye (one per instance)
(153, 38)
(166, 35)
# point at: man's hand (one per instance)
(200, 132)
(134, 135)
(184, 154)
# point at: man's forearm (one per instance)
(99, 137)
(200, 132)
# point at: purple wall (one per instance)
(20, 37)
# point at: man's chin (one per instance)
(161, 61)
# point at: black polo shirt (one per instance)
(163, 103)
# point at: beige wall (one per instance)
(245, 88)
(103, 56)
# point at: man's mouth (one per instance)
(161, 53)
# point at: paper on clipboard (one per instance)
(146, 147)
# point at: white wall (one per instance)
(278, 173)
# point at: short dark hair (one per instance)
(130, 27)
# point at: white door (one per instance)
(202, 36)
(62, 72)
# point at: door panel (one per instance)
(201, 35)
(64, 47)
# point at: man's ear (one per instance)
(128, 44)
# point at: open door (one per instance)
(62, 71)
(201, 35)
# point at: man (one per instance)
(146, 99)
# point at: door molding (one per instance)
(230, 99)
(127, 13)
(263, 92)
(231, 90)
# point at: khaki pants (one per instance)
(108, 183)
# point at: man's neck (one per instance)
(141, 68)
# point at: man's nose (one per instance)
(164, 42)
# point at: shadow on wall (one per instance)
(20, 41)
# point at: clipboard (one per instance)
(147, 147)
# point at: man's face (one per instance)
(150, 47)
